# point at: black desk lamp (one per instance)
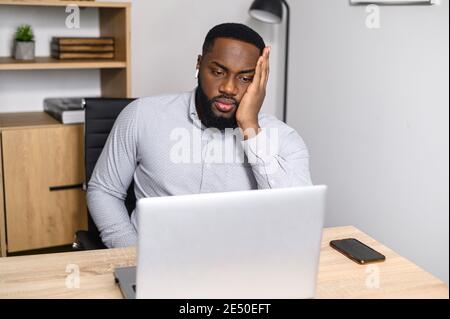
(271, 11)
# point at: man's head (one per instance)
(226, 68)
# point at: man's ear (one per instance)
(199, 61)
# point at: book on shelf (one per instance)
(83, 41)
(82, 48)
(65, 110)
(82, 55)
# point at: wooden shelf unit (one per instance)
(114, 18)
(38, 152)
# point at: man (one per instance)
(232, 73)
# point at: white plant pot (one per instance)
(24, 50)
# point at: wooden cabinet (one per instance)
(43, 202)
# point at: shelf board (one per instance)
(55, 3)
(48, 63)
(26, 119)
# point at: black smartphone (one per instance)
(357, 251)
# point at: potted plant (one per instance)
(24, 43)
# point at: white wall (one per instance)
(373, 107)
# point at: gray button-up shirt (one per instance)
(160, 143)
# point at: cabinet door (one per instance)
(41, 167)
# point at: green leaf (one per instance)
(24, 33)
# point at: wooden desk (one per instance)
(44, 276)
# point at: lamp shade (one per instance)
(269, 11)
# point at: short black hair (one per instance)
(235, 31)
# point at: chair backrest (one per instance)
(100, 115)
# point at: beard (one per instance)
(207, 115)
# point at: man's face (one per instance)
(225, 73)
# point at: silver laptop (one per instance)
(258, 244)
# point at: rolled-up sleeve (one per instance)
(279, 158)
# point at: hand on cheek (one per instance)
(251, 102)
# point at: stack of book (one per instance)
(82, 48)
(65, 110)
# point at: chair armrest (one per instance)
(85, 240)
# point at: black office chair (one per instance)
(100, 115)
